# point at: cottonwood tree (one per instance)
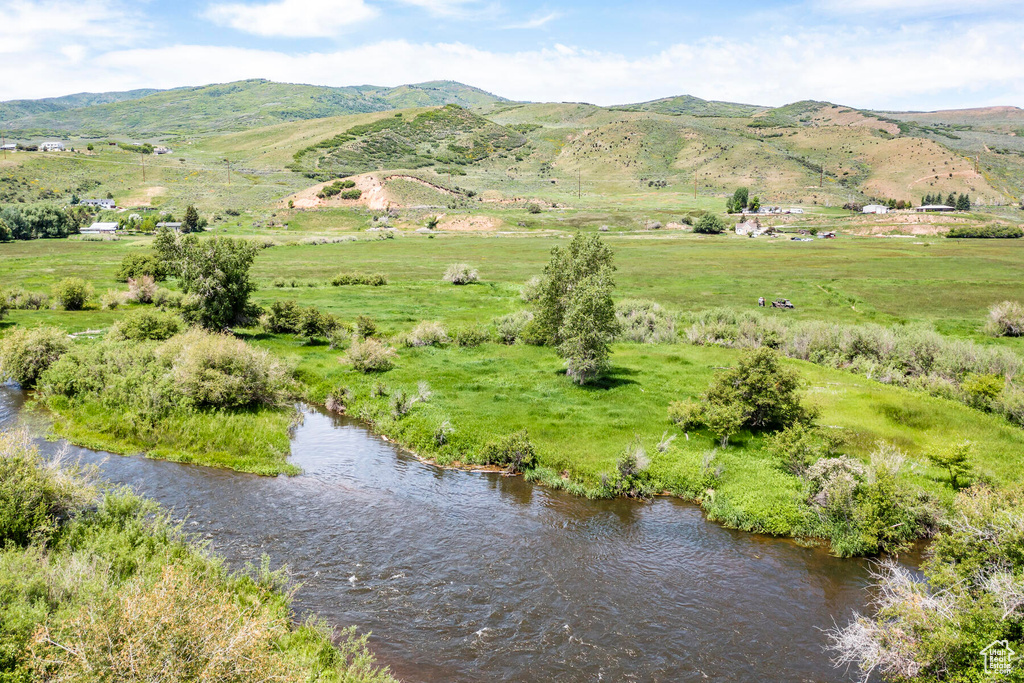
(214, 275)
(575, 311)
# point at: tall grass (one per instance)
(909, 356)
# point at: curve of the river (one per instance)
(478, 577)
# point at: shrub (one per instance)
(36, 497)
(631, 478)
(26, 353)
(315, 324)
(23, 300)
(134, 266)
(470, 336)
(283, 317)
(514, 452)
(709, 224)
(1006, 320)
(351, 194)
(461, 274)
(146, 325)
(985, 232)
(534, 209)
(956, 460)
(799, 446)
(508, 328)
(644, 322)
(71, 293)
(371, 355)
(110, 300)
(167, 298)
(142, 289)
(372, 279)
(532, 289)
(983, 391)
(365, 327)
(427, 334)
(219, 371)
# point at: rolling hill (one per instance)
(219, 108)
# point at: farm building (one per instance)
(176, 227)
(100, 229)
(161, 150)
(9, 147)
(51, 147)
(102, 203)
(875, 208)
(934, 208)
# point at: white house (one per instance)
(161, 150)
(51, 147)
(100, 229)
(9, 147)
(102, 203)
(934, 208)
(875, 208)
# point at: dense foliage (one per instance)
(26, 353)
(986, 231)
(213, 273)
(72, 293)
(710, 224)
(41, 221)
(971, 598)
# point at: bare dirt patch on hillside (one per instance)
(469, 223)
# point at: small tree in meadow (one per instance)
(588, 328)
(709, 224)
(71, 293)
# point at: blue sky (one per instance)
(886, 54)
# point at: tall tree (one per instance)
(582, 258)
(588, 329)
(191, 221)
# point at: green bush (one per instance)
(365, 327)
(71, 293)
(283, 317)
(470, 336)
(985, 232)
(134, 266)
(428, 333)
(35, 498)
(509, 328)
(26, 353)
(371, 355)
(644, 322)
(588, 328)
(710, 224)
(351, 194)
(514, 452)
(315, 324)
(371, 279)
(146, 325)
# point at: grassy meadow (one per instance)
(480, 394)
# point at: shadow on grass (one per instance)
(614, 378)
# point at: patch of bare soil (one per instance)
(469, 223)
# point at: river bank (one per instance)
(464, 576)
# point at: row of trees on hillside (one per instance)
(960, 202)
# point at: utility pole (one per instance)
(821, 182)
(3, 143)
(694, 184)
(143, 154)
(579, 183)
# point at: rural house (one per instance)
(100, 229)
(102, 203)
(51, 147)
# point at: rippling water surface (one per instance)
(479, 577)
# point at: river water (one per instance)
(479, 577)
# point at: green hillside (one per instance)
(18, 109)
(223, 107)
(694, 106)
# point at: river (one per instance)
(479, 577)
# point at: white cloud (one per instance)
(442, 7)
(43, 26)
(921, 8)
(291, 18)
(537, 21)
(916, 67)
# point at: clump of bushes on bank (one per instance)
(25, 354)
(134, 266)
(935, 628)
(514, 452)
(709, 224)
(985, 232)
(912, 357)
(461, 274)
(99, 586)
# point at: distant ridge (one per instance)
(222, 107)
(695, 106)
